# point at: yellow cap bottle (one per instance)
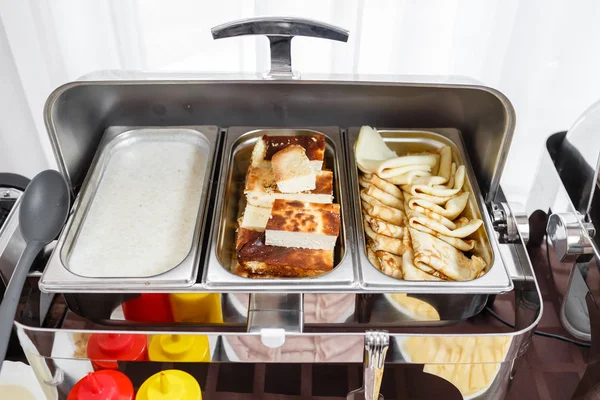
(179, 348)
(170, 385)
(196, 307)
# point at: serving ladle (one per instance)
(42, 214)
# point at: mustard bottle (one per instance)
(168, 385)
(179, 348)
(196, 307)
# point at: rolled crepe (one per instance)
(408, 177)
(384, 197)
(370, 150)
(384, 228)
(406, 164)
(428, 180)
(445, 169)
(385, 243)
(416, 220)
(381, 184)
(439, 191)
(391, 264)
(451, 210)
(412, 273)
(460, 244)
(371, 248)
(433, 253)
(411, 209)
(374, 156)
(377, 209)
(452, 177)
(431, 199)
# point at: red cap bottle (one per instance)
(148, 307)
(103, 385)
(102, 348)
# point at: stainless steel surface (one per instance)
(280, 31)
(496, 279)
(78, 113)
(554, 205)
(568, 239)
(274, 316)
(218, 274)
(58, 276)
(11, 243)
(376, 347)
(510, 221)
(9, 193)
(580, 153)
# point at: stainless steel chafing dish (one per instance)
(481, 121)
(565, 207)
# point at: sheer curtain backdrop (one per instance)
(543, 54)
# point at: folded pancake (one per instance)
(460, 244)
(371, 256)
(450, 183)
(370, 149)
(258, 258)
(305, 225)
(384, 228)
(433, 253)
(445, 166)
(439, 191)
(391, 264)
(412, 273)
(419, 221)
(377, 209)
(427, 180)
(261, 189)
(451, 210)
(418, 171)
(267, 146)
(383, 197)
(417, 210)
(439, 200)
(374, 156)
(390, 188)
(385, 243)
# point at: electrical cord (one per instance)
(540, 333)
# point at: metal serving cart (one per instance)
(372, 327)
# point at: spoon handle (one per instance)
(10, 302)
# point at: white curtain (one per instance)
(543, 54)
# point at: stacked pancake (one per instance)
(290, 225)
(413, 208)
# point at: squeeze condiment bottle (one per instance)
(179, 348)
(196, 307)
(103, 385)
(168, 385)
(102, 348)
(148, 307)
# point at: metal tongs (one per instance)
(376, 346)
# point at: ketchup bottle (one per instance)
(102, 348)
(103, 385)
(148, 307)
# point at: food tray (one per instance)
(239, 142)
(131, 191)
(496, 280)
